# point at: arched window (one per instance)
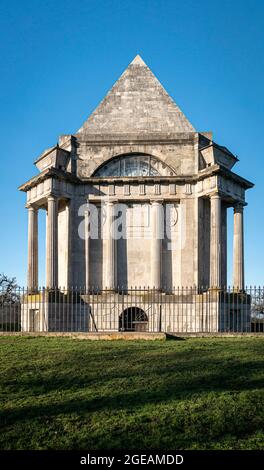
(136, 164)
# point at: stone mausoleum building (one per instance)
(139, 157)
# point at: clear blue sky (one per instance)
(59, 58)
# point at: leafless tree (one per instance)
(8, 289)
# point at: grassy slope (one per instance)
(58, 393)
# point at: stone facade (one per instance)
(139, 155)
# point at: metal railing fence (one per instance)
(174, 310)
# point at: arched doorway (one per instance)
(133, 319)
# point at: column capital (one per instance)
(215, 196)
(31, 207)
(156, 201)
(52, 197)
(239, 207)
(110, 202)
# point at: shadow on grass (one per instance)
(174, 337)
(129, 389)
(129, 395)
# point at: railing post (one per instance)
(123, 312)
(160, 322)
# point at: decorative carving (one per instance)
(157, 188)
(126, 189)
(174, 216)
(188, 188)
(142, 189)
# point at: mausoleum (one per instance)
(137, 197)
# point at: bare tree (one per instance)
(8, 289)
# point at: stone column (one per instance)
(52, 243)
(238, 248)
(87, 250)
(157, 224)
(69, 240)
(32, 275)
(224, 245)
(109, 256)
(215, 242)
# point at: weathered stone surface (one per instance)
(132, 336)
(137, 104)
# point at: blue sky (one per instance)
(59, 58)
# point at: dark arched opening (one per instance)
(133, 319)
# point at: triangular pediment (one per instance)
(137, 104)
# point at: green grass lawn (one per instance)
(59, 393)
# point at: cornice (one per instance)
(50, 172)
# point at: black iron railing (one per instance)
(174, 310)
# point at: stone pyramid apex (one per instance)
(138, 61)
(137, 104)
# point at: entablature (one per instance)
(205, 183)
